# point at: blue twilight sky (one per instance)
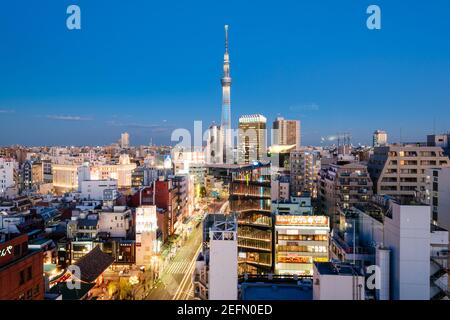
(149, 66)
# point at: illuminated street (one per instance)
(176, 279)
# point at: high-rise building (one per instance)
(252, 138)
(399, 169)
(286, 132)
(225, 125)
(380, 138)
(124, 140)
(250, 198)
(304, 171)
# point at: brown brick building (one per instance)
(21, 269)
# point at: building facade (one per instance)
(21, 269)
(250, 198)
(343, 184)
(252, 134)
(304, 171)
(301, 238)
(399, 170)
(437, 195)
(7, 174)
(286, 132)
(380, 138)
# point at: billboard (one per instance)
(291, 220)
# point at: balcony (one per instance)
(255, 245)
(259, 236)
(251, 261)
(256, 223)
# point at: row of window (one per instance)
(30, 293)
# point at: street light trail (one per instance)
(187, 276)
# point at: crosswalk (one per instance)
(178, 267)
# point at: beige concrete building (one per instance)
(400, 170)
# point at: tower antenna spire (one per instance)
(226, 38)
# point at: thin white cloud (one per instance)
(133, 125)
(68, 118)
(7, 111)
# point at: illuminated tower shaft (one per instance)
(226, 106)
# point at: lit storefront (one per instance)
(300, 241)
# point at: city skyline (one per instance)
(160, 70)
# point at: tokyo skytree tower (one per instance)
(226, 106)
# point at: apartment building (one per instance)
(400, 170)
(304, 171)
(343, 184)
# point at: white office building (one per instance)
(95, 189)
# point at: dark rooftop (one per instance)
(93, 264)
(276, 291)
(87, 222)
(330, 268)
